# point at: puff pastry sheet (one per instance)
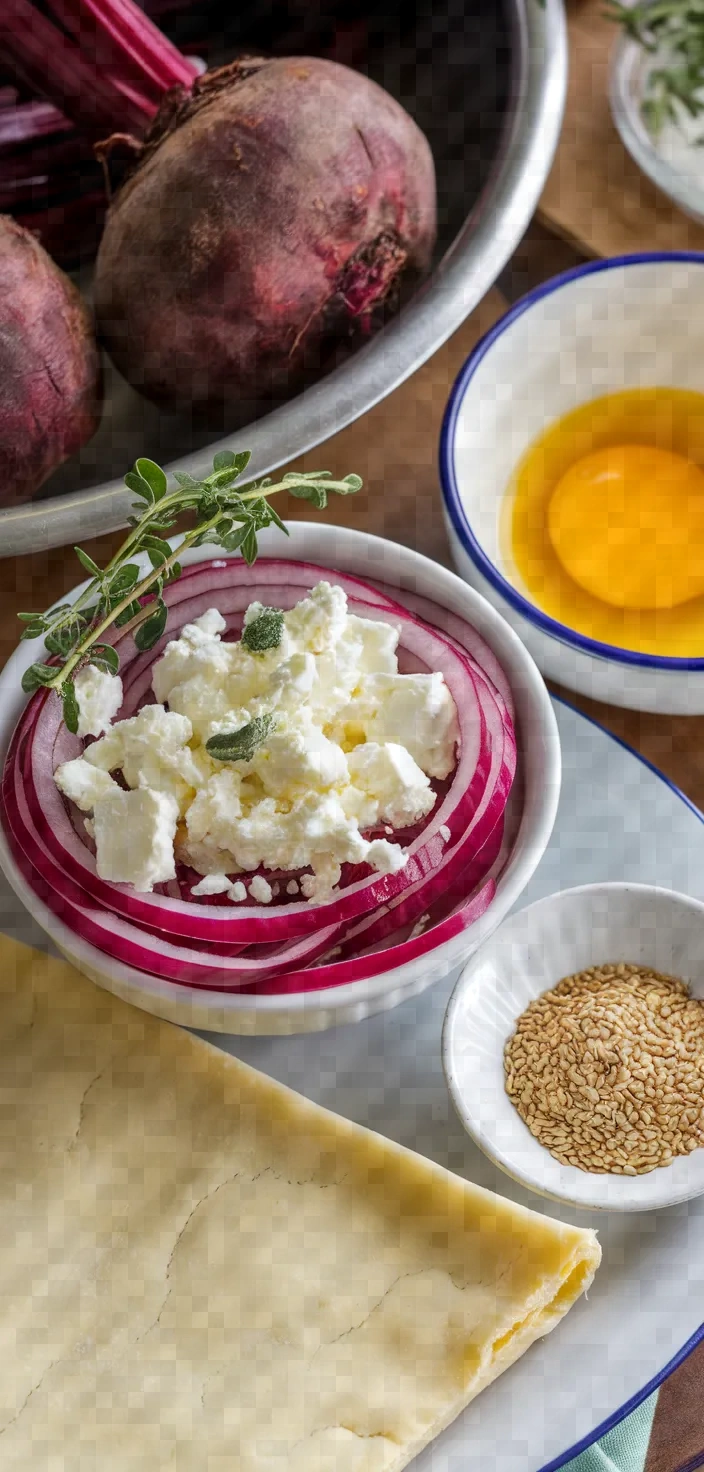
(203, 1271)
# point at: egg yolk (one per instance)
(627, 524)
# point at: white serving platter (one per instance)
(618, 819)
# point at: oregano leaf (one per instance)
(106, 658)
(249, 546)
(153, 475)
(36, 675)
(124, 579)
(148, 634)
(223, 460)
(87, 562)
(241, 745)
(71, 711)
(141, 487)
(264, 631)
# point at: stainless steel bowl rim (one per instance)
(464, 275)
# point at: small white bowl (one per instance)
(533, 950)
(630, 322)
(537, 792)
(631, 65)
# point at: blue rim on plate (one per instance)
(697, 1338)
(450, 489)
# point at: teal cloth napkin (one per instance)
(624, 1448)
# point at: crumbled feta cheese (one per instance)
(99, 697)
(237, 892)
(445, 832)
(385, 857)
(352, 747)
(212, 884)
(197, 648)
(205, 856)
(390, 786)
(134, 837)
(151, 751)
(83, 784)
(319, 620)
(261, 891)
(216, 808)
(417, 711)
(297, 756)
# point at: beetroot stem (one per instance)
(123, 39)
(50, 64)
(109, 73)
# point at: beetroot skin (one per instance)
(50, 377)
(271, 211)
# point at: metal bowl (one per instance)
(486, 82)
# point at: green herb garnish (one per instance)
(120, 595)
(674, 29)
(264, 631)
(240, 746)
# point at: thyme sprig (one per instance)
(122, 596)
(673, 30)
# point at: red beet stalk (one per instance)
(101, 62)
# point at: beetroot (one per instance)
(50, 379)
(272, 210)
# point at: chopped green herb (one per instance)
(240, 746)
(673, 32)
(264, 631)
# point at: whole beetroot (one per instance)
(50, 376)
(272, 211)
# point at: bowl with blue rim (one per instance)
(630, 322)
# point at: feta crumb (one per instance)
(83, 784)
(260, 890)
(237, 892)
(134, 837)
(396, 789)
(151, 750)
(293, 887)
(99, 697)
(212, 884)
(417, 711)
(385, 857)
(445, 832)
(210, 623)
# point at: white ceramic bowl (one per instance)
(631, 65)
(538, 785)
(533, 950)
(630, 322)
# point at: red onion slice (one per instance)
(283, 921)
(342, 973)
(116, 937)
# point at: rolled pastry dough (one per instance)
(201, 1270)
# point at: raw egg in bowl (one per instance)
(572, 467)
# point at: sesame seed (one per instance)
(620, 1083)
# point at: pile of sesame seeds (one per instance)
(607, 1070)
